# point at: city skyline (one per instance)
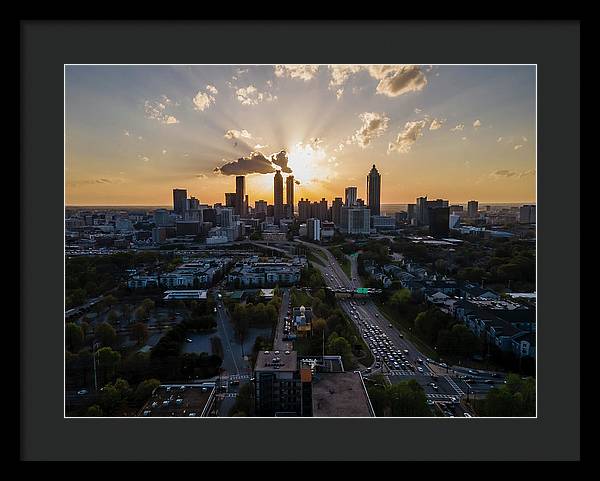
(457, 132)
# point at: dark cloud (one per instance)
(297, 182)
(280, 159)
(255, 163)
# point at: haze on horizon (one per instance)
(133, 133)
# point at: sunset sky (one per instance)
(133, 133)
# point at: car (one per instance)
(444, 364)
(376, 315)
(434, 386)
(489, 381)
(420, 369)
(495, 374)
(405, 351)
(401, 336)
(187, 339)
(82, 392)
(430, 402)
(467, 415)
(454, 400)
(420, 361)
(214, 309)
(390, 326)
(234, 382)
(471, 371)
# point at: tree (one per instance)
(94, 411)
(139, 332)
(139, 314)
(144, 390)
(73, 337)
(114, 396)
(430, 322)
(319, 325)
(516, 398)
(110, 301)
(106, 334)
(112, 316)
(108, 361)
(400, 299)
(339, 346)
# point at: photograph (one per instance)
(300, 241)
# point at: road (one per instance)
(397, 358)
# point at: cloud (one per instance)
(126, 132)
(237, 134)
(504, 173)
(77, 183)
(339, 93)
(143, 157)
(341, 73)
(140, 137)
(280, 159)
(260, 146)
(251, 96)
(436, 124)
(395, 80)
(202, 101)
(373, 126)
(499, 139)
(155, 110)
(201, 176)
(511, 174)
(256, 163)
(409, 135)
(477, 124)
(518, 146)
(458, 127)
(164, 151)
(463, 138)
(212, 89)
(296, 181)
(524, 139)
(418, 111)
(302, 72)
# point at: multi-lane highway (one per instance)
(397, 358)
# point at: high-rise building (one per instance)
(527, 214)
(179, 201)
(323, 211)
(356, 220)
(313, 228)
(473, 209)
(456, 208)
(351, 195)
(336, 210)
(439, 221)
(230, 199)
(240, 195)
(303, 209)
(227, 217)
(374, 191)
(162, 218)
(278, 197)
(260, 206)
(289, 195)
(411, 212)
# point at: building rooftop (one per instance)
(185, 295)
(340, 394)
(179, 400)
(276, 361)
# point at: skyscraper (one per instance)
(336, 211)
(289, 195)
(230, 199)
(374, 191)
(439, 221)
(473, 209)
(277, 197)
(527, 214)
(303, 209)
(351, 195)
(240, 195)
(179, 201)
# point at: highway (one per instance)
(401, 359)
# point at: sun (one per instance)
(307, 162)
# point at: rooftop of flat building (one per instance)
(276, 361)
(179, 400)
(340, 394)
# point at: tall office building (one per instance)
(240, 195)
(278, 197)
(260, 207)
(179, 201)
(313, 228)
(374, 191)
(355, 220)
(351, 195)
(230, 199)
(289, 195)
(439, 221)
(473, 209)
(411, 212)
(336, 211)
(527, 214)
(303, 209)
(323, 210)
